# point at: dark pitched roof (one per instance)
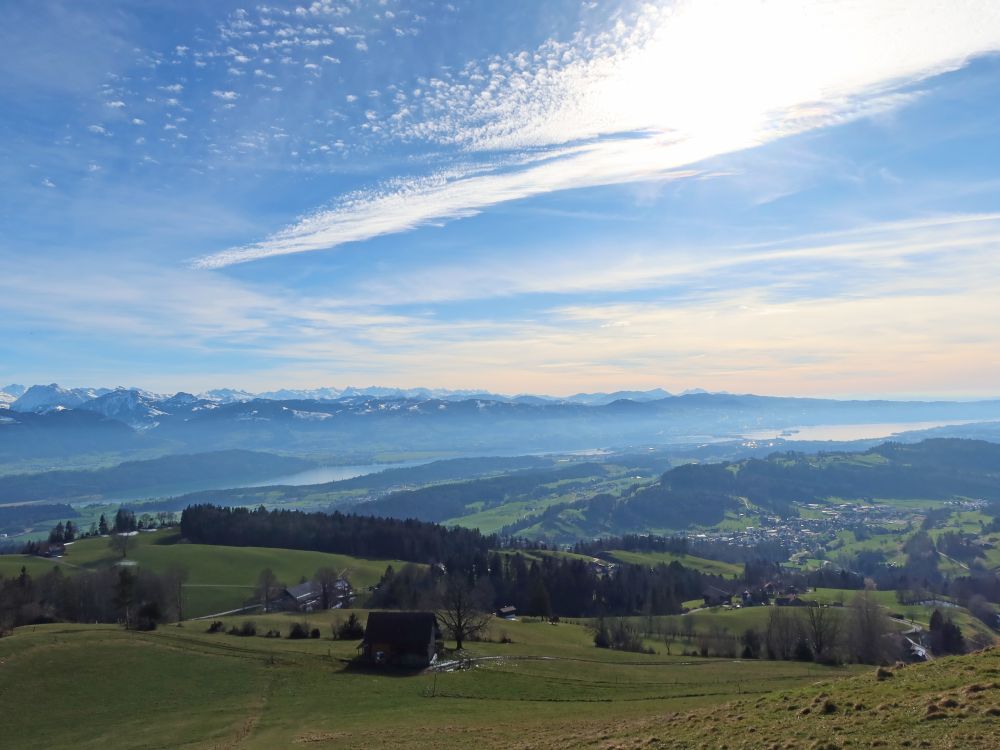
(403, 630)
(304, 590)
(715, 591)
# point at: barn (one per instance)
(405, 639)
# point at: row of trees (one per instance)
(134, 598)
(349, 534)
(551, 586)
(860, 632)
(124, 521)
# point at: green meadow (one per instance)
(712, 567)
(219, 578)
(549, 688)
(183, 687)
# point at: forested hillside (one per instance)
(150, 475)
(702, 494)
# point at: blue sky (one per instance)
(775, 197)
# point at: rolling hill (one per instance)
(220, 578)
(548, 688)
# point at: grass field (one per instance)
(220, 578)
(181, 687)
(550, 688)
(713, 567)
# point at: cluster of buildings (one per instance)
(309, 596)
(820, 523)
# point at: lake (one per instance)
(324, 474)
(845, 432)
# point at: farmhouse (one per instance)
(406, 639)
(308, 596)
(714, 596)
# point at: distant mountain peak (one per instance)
(600, 399)
(227, 395)
(14, 390)
(131, 406)
(43, 397)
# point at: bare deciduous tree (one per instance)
(781, 633)
(822, 626)
(174, 580)
(326, 579)
(868, 626)
(120, 544)
(669, 636)
(268, 588)
(464, 610)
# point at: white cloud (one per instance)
(871, 252)
(137, 121)
(647, 99)
(227, 96)
(46, 182)
(116, 104)
(97, 129)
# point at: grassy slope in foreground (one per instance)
(224, 691)
(220, 578)
(948, 703)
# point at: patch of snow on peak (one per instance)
(311, 416)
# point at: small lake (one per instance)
(845, 432)
(324, 474)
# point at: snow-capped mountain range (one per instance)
(44, 397)
(49, 420)
(121, 402)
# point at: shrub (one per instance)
(351, 630)
(602, 636)
(802, 651)
(248, 628)
(148, 616)
(620, 635)
(216, 626)
(298, 630)
(314, 633)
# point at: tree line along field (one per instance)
(220, 578)
(223, 578)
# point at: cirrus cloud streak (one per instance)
(650, 98)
